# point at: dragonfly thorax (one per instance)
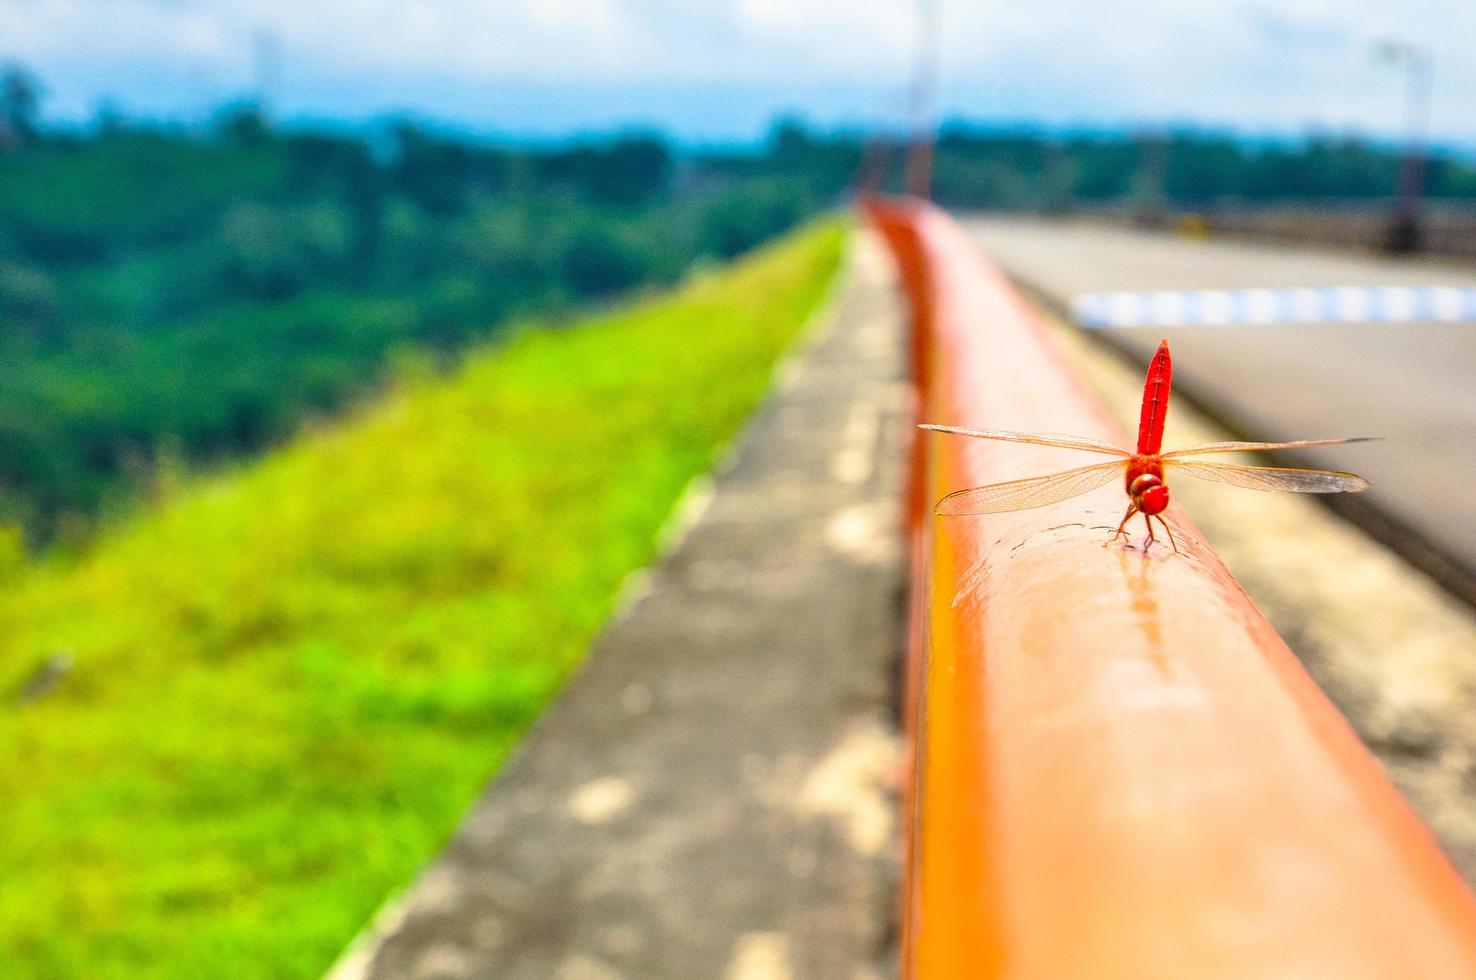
(1149, 493)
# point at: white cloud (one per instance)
(853, 38)
(1251, 63)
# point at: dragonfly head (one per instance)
(1149, 493)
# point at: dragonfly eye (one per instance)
(1143, 483)
(1155, 499)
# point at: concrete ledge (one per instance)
(712, 795)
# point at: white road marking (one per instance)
(1222, 307)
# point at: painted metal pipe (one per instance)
(1119, 769)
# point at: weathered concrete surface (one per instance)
(712, 796)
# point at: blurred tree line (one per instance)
(1029, 171)
(186, 294)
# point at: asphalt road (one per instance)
(1414, 384)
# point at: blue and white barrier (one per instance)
(1222, 307)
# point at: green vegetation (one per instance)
(168, 296)
(290, 681)
(1022, 169)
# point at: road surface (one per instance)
(1412, 383)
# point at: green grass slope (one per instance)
(291, 680)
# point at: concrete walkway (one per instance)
(712, 795)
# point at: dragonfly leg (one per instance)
(1170, 532)
(1148, 519)
(1121, 531)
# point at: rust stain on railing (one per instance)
(1118, 769)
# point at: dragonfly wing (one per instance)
(1272, 477)
(1033, 439)
(1025, 494)
(1260, 447)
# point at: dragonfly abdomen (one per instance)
(1155, 401)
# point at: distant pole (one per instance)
(1406, 231)
(1150, 190)
(922, 99)
(871, 167)
(266, 50)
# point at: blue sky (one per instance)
(722, 69)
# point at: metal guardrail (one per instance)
(1118, 769)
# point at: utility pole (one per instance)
(888, 142)
(1150, 182)
(266, 63)
(1406, 232)
(922, 98)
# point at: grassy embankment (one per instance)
(290, 680)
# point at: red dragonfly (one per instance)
(1144, 471)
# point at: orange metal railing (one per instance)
(1118, 768)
